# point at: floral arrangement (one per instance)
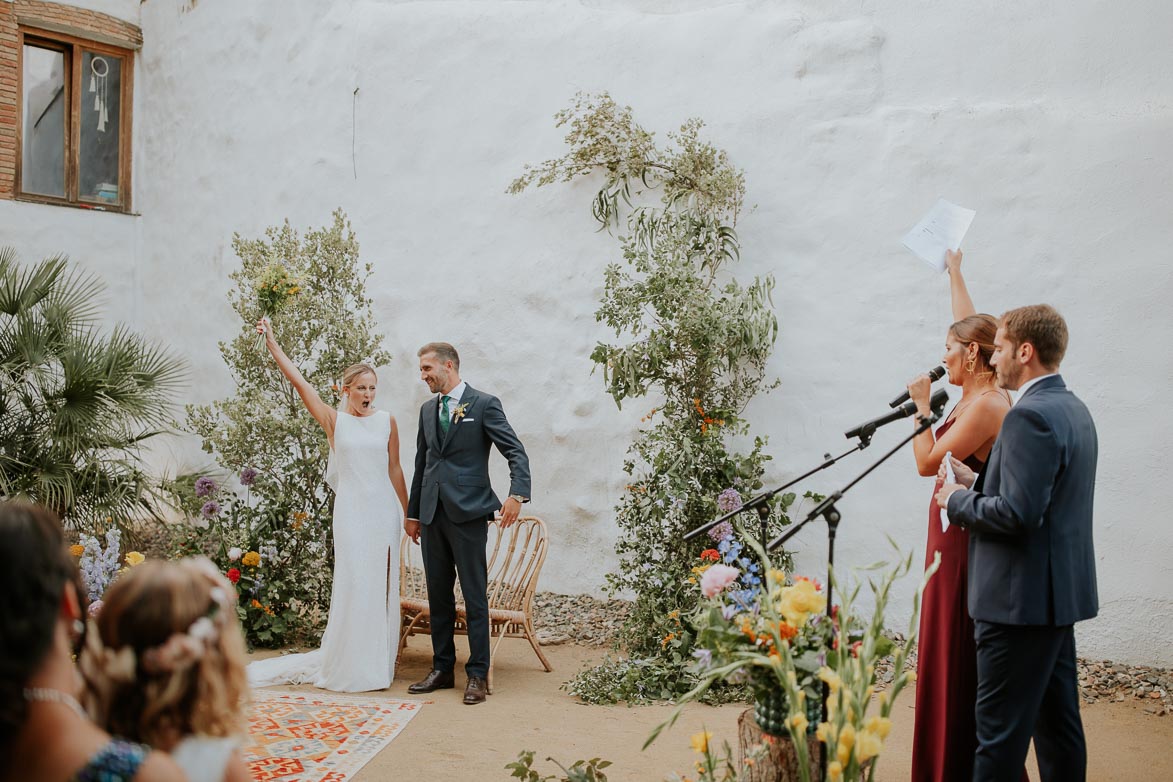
(272, 554)
(100, 565)
(274, 288)
(777, 637)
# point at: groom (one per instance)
(1032, 564)
(450, 505)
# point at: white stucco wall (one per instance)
(850, 119)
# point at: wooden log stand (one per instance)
(780, 762)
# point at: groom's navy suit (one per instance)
(453, 500)
(1032, 575)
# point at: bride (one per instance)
(362, 634)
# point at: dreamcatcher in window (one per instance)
(99, 70)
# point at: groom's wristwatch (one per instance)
(519, 497)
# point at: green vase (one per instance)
(771, 709)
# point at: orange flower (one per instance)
(786, 630)
(710, 553)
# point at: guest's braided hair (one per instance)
(35, 567)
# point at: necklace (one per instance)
(46, 695)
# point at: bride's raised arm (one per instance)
(325, 415)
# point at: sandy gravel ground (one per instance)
(450, 741)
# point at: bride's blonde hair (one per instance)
(168, 657)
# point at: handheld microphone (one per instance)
(868, 428)
(936, 373)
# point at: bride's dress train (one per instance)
(362, 635)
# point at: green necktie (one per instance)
(445, 421)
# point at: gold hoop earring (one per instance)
(971, 365)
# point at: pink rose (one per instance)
(716, 578)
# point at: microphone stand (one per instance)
(762, 501)
(827, 508)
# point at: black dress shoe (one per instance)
(476, 691)
(435, 680)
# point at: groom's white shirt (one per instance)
(453, 399)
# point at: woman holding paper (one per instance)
(944, 738)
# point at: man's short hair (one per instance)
(1043, 327)
(443, 351)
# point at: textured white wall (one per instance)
(850, 119)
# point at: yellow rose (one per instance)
(799, 601)
(77, 549)
(134, 558)
(700, 741)
(251, 559)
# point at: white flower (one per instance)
(202, 629)
(234, 554)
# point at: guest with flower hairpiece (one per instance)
(45, 734)
(166, 666)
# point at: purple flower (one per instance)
(247, 476)
(704, 657)
(721, 531)
(210, 510)
(205, 486)
(728, 500)
(94, 609)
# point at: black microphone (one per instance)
(867, 429)
(936, 373)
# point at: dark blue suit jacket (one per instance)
(1031, 560)
(455, 468)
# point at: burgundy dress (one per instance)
(945, 734)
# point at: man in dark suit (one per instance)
(1032, 571)
(449, 508)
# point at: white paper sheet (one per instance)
(941, 229)
(950, 477)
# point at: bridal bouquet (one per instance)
(274, 288)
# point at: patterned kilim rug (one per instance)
(306, 737)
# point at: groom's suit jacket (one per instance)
(1031, 560)
(454, 468)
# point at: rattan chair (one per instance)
(515, 557)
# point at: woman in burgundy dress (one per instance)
(945, 738)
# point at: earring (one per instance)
(971, 364)
(78, 627)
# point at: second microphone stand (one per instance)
(827, 508)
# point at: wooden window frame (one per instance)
(74, 49)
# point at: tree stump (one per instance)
(780, 762)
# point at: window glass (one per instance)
(44, 111)
(101, 90)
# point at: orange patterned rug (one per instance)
(306, 737)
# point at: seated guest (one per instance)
(166, 666)
(45, 735)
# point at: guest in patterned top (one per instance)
(44, 732)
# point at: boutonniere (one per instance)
(458, 412)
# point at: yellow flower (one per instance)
(831, 678)
(846, 743)
(869, 745)
(134, 558)
(879, 725)
(77, 549)
(700, 741)
(911, 676)
(799, 723)
(673, 614)
(799, 601)
(825, 732)
(251, 559)
(835, 769)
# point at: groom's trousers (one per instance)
(452, 550)
(1027, 687)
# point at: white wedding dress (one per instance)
(362, 634)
